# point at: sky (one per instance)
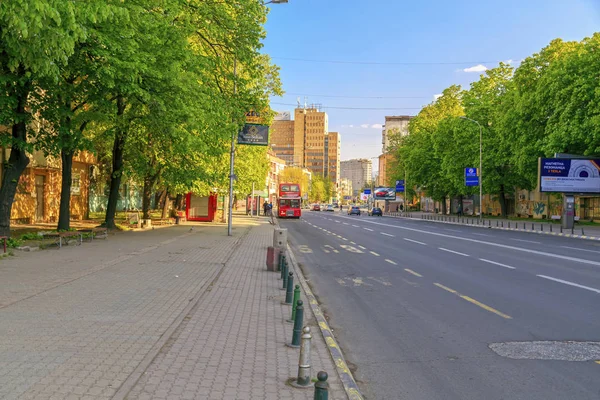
(363, 60)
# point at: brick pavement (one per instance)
(89, 322)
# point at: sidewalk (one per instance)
(170, 313)
(521, 225)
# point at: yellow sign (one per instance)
(254, 117)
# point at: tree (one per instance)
(295, 175)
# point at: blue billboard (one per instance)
(471, 177)
(569, 175)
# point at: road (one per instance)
(434, 311)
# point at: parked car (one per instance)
(375, 211)
(316, 207)
(354, 210)
(329, 208)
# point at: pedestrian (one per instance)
(401, 208)
(460, 210)
(270, 208)
(265, 207)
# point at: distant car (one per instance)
(316, 207)
(375, 211)
(354, 210)
(329, 208)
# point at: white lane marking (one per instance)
(375, 254)
(345, 223)
(570, 283)
(526, 241)
(367, 229)
(502, 246)
(387, 234)
(382, 281)
(577, 248)
(353, 242)
(452, 230)
(356, 226)
(345, 239)
(480, 234)
(415, 241)
(452, 251)
(497, 263)
(362, 247)
(337, 221)
(390, 261)
(326, 251)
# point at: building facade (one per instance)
(385, 162)
(333, 148)
(393, 125)
(282, 140)
(358, 171)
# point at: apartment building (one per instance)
(358, 171)
(394, 125)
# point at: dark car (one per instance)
(375, 211)
(354, 210)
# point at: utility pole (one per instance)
(232, 160)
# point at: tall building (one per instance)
(306, 142)
(385, 161)
(358, 171)
(394, 125)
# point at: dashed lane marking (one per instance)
(382, 281)
(356, 226)
(368, 229)
(454, 252)
(577, 248)
(362, 247)
(525, 241)
(410, 271)
(473, 301)
(570, 283)
(480, 234)
(497, 263)
(375, 254)
(387, 234)
(390, 261)
(415, 241)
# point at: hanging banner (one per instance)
(257, 135)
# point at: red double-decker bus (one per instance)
(289, 201)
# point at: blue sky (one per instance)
(436, 40)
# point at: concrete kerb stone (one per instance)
(583, 237)
(346, 377)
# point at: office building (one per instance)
(358, 171)
(394, 125)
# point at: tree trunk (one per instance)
(165, 204)
(502, 200)
(17, 162)
(159, 197)
(444, 205)
(179, 202)
(64, 215)
(117, 166)
(149, 181)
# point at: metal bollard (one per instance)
(550, 227)
(532, 226)
(582, 233)
(542, 227)
(282, 261)
(295, 303)
(502, 222)
(283, 268)
(289, 294)
(285, 279)
(561, 228)
(297, 325)
(497, 223)
(572, 230)
(524, 226)
(321, 387)
(304, 361)
(490, 223)
(508, 224)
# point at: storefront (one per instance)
(200, 208)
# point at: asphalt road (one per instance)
(434, 311)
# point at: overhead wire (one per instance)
(355, 97)
(385, 63)
(354, 108)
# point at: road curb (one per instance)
(350, 386)
(568, 235)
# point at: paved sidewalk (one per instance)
(521, 225)
(170, 313)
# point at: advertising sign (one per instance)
(283, 116)
(471, 177)
(254, 117)
(569, 175)
(400, 186)
(254, 134)
(364, 196)
(385, 194)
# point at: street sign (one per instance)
(471, 177)
(400, 186)
(367, 191)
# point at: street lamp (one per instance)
(480, 165)
(232, 176)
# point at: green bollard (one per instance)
(289, 294)
(321, 387)
(281, 261)
(297, 325)
(295, 303)
(283, 268)
(285, 278)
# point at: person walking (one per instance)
(265, 208)
(460, 210)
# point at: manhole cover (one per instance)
(548, 350)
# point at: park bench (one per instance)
(95, 232)
(59, 236)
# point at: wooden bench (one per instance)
(97, 231)
(162, 221)
(59, 236)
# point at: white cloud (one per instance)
(364, 126)
(476, 68)
(376, 126)
(351, 126)
(508, 62)
(437, 96)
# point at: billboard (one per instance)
(283, 116)
(569, 175)
(254, 134)
(385, 194)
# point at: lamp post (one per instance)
(232, 151)
(480, 166)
